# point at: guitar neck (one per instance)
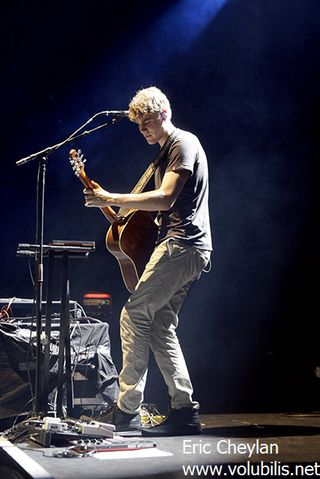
(108, 212)
(139, 187)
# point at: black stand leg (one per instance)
(39, 395)
(64, 367)
(46, 363)
(65, 317)
(60, 378)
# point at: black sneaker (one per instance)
(179, 422)
(120, 419)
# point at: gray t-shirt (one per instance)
(188, 220)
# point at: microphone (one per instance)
(116, 113)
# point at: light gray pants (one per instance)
(149, 320)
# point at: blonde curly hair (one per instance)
(149, 100)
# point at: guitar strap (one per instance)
(148, 174)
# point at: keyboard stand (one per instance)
(64, 251)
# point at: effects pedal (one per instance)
(85, 446)
(95, 428)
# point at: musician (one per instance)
(150, 317)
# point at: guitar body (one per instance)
(132, 241)
(131, 238)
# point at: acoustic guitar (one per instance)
(132, 234)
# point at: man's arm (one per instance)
(156, 200)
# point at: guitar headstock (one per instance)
(77, 162)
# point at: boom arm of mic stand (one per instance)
(50, 149)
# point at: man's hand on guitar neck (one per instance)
(96, 197)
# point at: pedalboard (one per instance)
(54, 431)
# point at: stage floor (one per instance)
(231, 445)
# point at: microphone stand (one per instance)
(40, 402)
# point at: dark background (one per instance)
(241, 74)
